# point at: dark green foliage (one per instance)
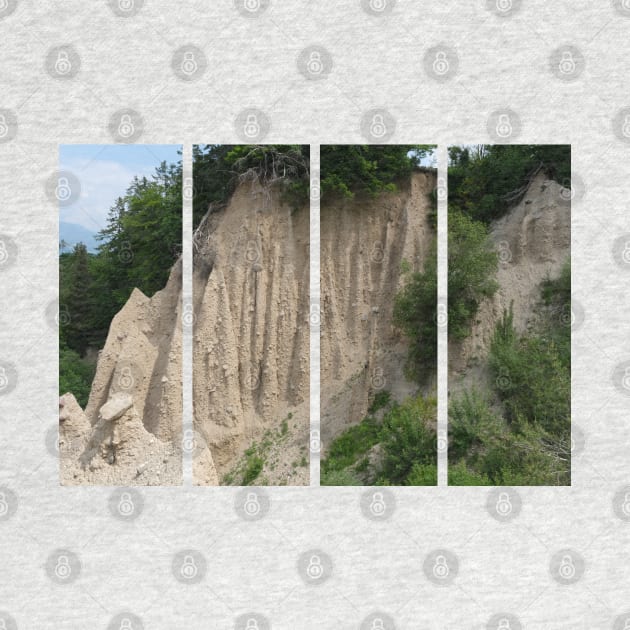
(350, 169)
(530, 378)
(408, 447)
(381, 399)
(472, 266)
(254, 464)
(355, 441)
(75, 375)
(459, 475)
(76, 299)
(218, 168)
(407, 439)
(526, 439)
(415, 314)
(484, 180)
(422, 475)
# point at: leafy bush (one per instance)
(75, 375)
(471, 423)
(415, 315)
(218, 168)
(485, 180)
(422, 475)
(407, 438)
(352, 443)
(350, 169)
(530, 378)
(460, 475)
(254, 464)
(472, 266)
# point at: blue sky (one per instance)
(105, 172)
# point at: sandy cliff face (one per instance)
(364, 241)
(251, 334)
(140, 364)
(533, 241)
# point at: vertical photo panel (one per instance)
(251, 212)
(509, 315)
(120, 288)
(378, 223)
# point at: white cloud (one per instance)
(102, 182)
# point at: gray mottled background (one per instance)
(434, 72)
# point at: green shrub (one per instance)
(460, 475)
(530, 378)
(75, 375)
(408, 438)
(351, 444)
(371, 169)
(415, 314)
(381, 399)
(422, 475)
(472, 267)
(471, 423)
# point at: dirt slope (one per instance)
(251, 334)
(533, 241)
(130, 432)
(363, 243)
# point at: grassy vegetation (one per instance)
(406, 436)
(519, 432)
(260, 455)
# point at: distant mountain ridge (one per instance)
(72, 233)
